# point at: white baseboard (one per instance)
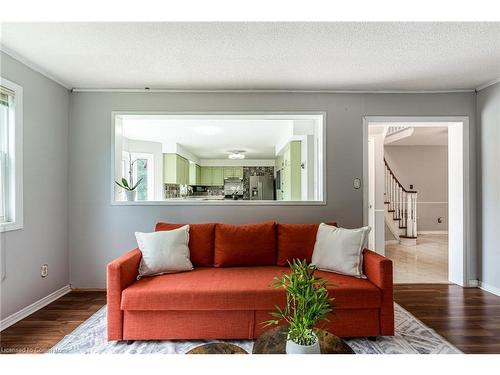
(28, 310)
(432, 232)
(473, 284)
(489, 288)
(391, 242)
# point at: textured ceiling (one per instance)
(336, 56)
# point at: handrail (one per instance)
(396, 179)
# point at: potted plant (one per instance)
(130, 191)
(307, 303)
(129, 186)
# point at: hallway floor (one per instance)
(427, 262)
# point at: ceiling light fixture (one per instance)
(236, 155)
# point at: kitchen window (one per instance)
(139, 167)
(11, 205)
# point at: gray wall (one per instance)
(426, 168)
(488, 112)
(99, 232)
(44, 236)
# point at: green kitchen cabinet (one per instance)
(233, 172)
(228, 172)
(214, 176)
(206, 176)
(217, 176)
(238, 172)
(182, 170)
(175, 169)
(291, 171)
(194, 174)
(198, 174)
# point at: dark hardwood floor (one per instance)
(468, 318)
(43, 329)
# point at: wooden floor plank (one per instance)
(468, 318)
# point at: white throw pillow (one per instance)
(164, 251)
(340, 250)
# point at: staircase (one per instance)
(400, 209)
(395, 133)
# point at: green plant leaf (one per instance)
(307, 301)
(137, 184)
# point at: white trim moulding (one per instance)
(488, 84)
(432, 232)
(473, 283)
(28, 310)
(489, 288)
(253, 91)
(33, 66)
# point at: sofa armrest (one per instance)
(121, 273)
(378, 269)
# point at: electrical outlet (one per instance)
(44, 270)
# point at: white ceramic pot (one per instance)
(131, 194)
(294, 348)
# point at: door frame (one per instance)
(462, 234)
(371, 192)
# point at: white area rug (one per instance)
(412, 337)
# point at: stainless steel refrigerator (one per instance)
(261, 188)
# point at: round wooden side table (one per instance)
(217, 348)
(274, 342)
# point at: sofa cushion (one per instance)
(245, 245)
(236, 288)
(201, 242)
(296, 241)
(164, 252)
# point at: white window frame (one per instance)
(151, 172)
(14, 175)
(151, 176)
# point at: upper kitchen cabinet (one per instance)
(217, 176)
(206, 176)
(175, 169)
(289, 163)
(194, 174)
(233, 172)
(212, 176)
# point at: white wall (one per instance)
(45, 152)
(100, 232)
(426, 168)
(488, 116)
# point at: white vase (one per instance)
(294, 348)
(130, 195)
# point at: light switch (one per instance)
(356, 183)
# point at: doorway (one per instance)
(381, 182)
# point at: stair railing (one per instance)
(401, 202)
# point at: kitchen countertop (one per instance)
(202, 198)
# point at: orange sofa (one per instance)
(228, 294)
